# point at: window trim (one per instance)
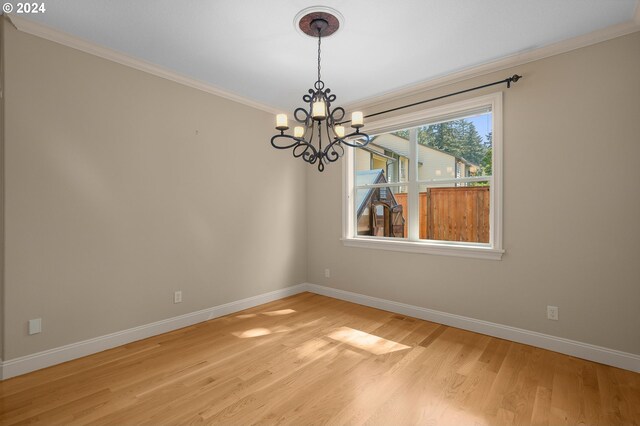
(494, 249)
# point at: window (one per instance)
(429, 182)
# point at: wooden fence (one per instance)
(452, 214)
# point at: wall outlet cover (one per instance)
(35, 326)
(552, 313)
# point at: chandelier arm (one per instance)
(358, 135)
(329, 97)
(306, 115)
(312, 157)
(308, 98)
(302, 150)
(334, 151)
(311, 127)
(336, 115)
(330, 152)
(282, 135)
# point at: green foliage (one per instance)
(459, 138)
(402, 133)
(486, 160)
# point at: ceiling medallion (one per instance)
(320, 137)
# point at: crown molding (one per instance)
(74, 42)
(517, 59)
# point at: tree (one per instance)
(459, 138)
(486, 163)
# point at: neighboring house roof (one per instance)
(400, 146)
(363, 196)
(366, 177)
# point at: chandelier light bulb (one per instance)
(357, 119)
(339, 131)
(282, 122)
(319, 111)
(298, 132)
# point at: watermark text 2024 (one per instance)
(20, 8)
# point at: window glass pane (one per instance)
(389, 153)
(449, 148)
(455, 212)
(455, 148)
(381, 212)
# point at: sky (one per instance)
(482, 123)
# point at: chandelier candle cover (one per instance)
(320, 139)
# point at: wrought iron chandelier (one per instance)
(321, 137)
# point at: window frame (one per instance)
(494, 249)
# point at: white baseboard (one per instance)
(28, 363)
(587, 351)
(25, 364)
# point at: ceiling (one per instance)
(250, 47)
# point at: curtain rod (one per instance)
(514, 78)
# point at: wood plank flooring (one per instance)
(309, 359)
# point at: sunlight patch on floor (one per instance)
(260, 331)
(243, 316)
(268, 313)
(368, 342)
(280, 312)
(252, 332)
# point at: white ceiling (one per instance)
(250, 47)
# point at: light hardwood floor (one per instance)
(309, 359)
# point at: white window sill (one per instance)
(472, 251)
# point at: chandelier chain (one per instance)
(319, 41)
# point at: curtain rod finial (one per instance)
(513, 79)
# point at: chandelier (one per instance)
(320, 137)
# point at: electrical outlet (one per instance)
(327, 273)
(177, 297)
(35, 326)
(552, 313)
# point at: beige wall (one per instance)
(571, 209)
(122, 187)
(112, 202)
(2, 308)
